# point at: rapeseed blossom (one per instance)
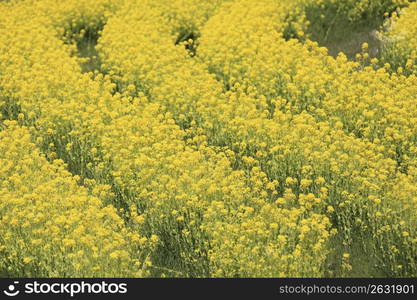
(213, 138)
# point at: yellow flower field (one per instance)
(206, 138)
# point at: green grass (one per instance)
(338, 34)
(87, 49)
(363, 264)
(350, 42)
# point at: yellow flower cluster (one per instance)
(263, 80)
(147, 57)
(52, 227)
(368, 108)
(400, 40)
(206, 143)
